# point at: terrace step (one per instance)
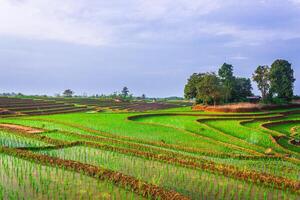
(18, 106)
(41, 107)
(61, 111)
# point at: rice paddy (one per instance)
(172, 153)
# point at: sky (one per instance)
(150, 46)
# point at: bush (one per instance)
(279, 101)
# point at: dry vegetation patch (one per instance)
(244, 107)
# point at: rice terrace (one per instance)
(101, 149)
(149, 100)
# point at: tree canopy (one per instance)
(210, 88)
(242, 89)
(125, 92)
(282, 79)
(227, 78)
(262, 77)
(205, 87)
(68, 93)
(190, 89)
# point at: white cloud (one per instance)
(117, 22)
(239, 57)
(90, 22)
(174, 9)
(254, 36)
(48, 20)
(297, 2)
(237, 35)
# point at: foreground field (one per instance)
(165, 154)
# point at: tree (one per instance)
(282, 79)
(190, 89)
(242, 89)
(125, 92)
(227, 78)
(68, 93)
(210, 88)
(262, 77)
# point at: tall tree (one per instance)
(125, 92)
(190, 89)
(210, 88)
(262, 77)
(227, 78)
(242, 89)
(282, 79)
(68, 93)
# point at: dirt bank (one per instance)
(244, 107)
(20, 128)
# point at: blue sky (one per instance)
(151, 46)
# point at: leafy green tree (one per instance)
(190, 89)
(242, 89)
(68, 93)
(227, 78)
(125, 92)
(262, 77)
(282, 79)
(210, 88)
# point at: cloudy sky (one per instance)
(151, 46)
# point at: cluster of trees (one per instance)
(68, 93)
(12, 94)
(123, 95)
(276, 84)
(210, 88)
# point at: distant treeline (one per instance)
(124, 95)
(276, 84)
(11, 94)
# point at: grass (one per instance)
(27, 180)
(276, 167)
(284, 142)
(189, 182)
(10, 140)
(190, 124)
(233, 128)
(285, 128)
(176, 149)
(117, 124)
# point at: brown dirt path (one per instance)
(19, 128)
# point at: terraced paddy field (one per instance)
(10, 106)
(173, 153)
(133, 106)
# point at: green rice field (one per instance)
(172, 153)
